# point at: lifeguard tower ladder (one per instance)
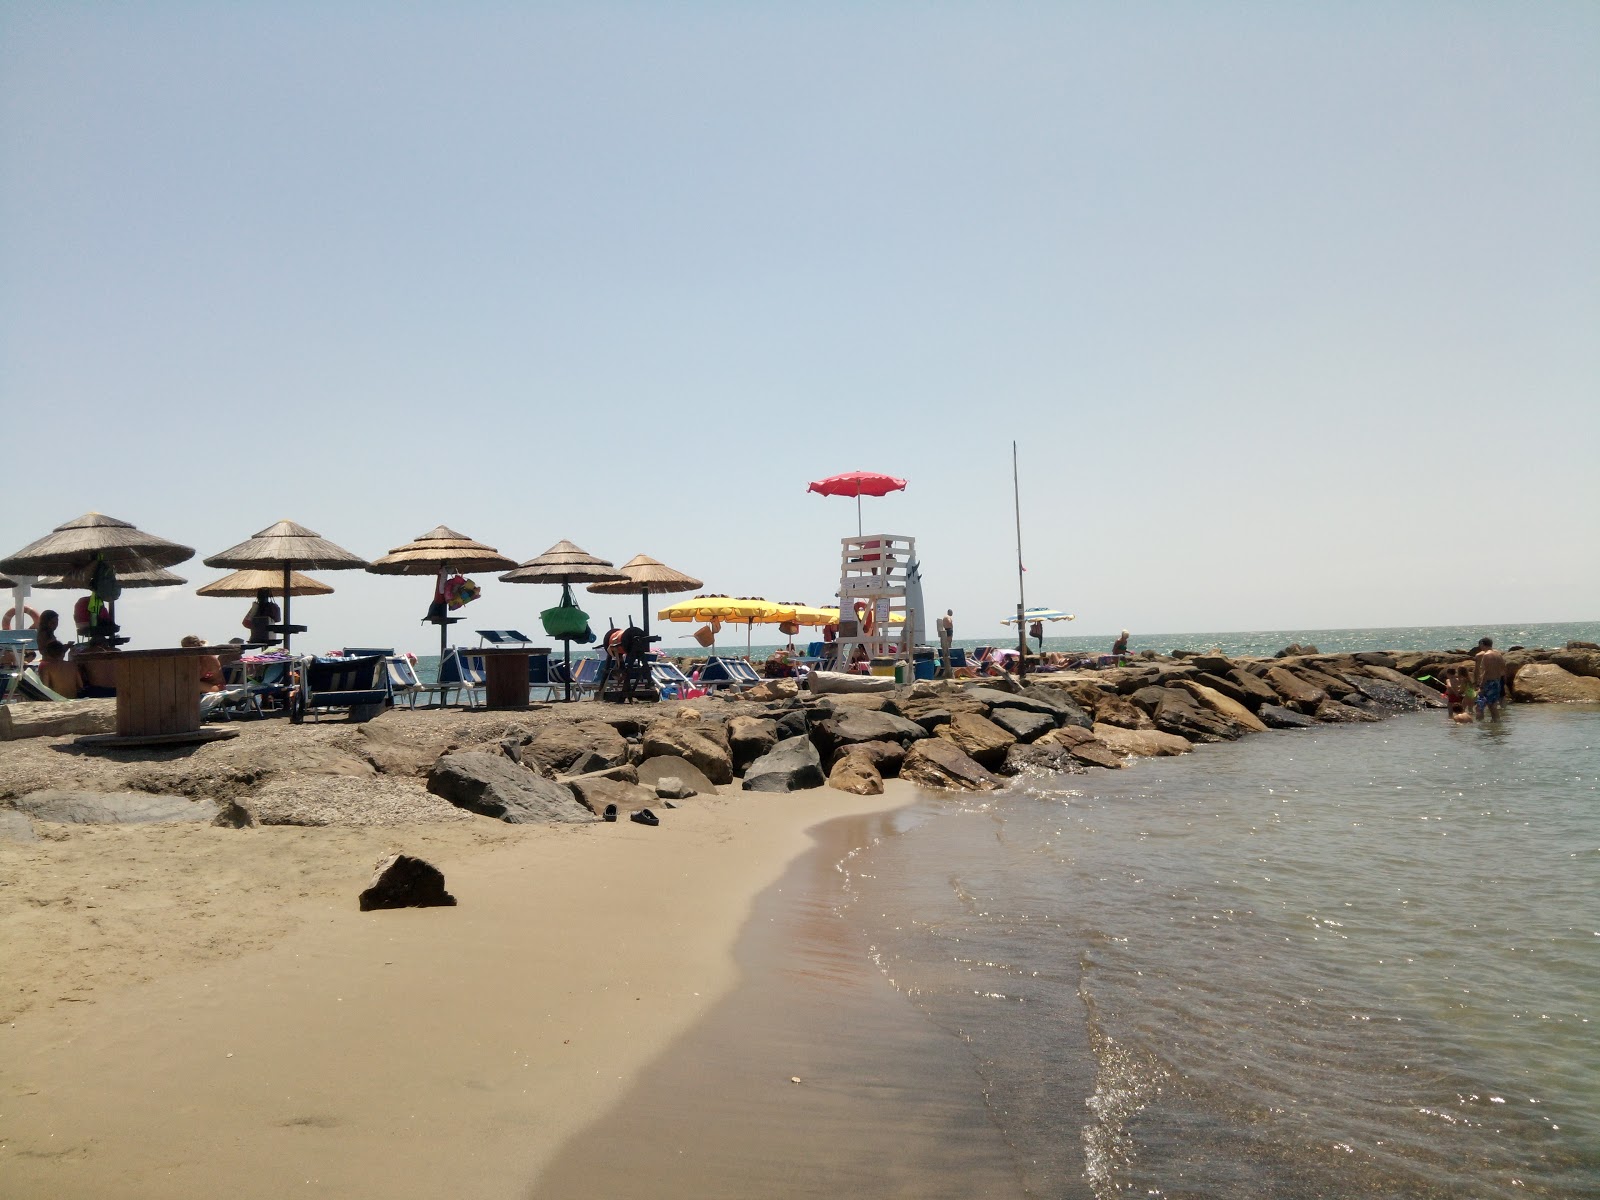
(877, 595)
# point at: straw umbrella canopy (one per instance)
(438, 552)
(93, 538)
(287, 546)
(248, 583)
(78, 581)
(646, 576)
(566, 564)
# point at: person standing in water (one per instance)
(1490, 676)
(946, 626)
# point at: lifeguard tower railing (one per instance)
(874, 617)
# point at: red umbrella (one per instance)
(857, 484)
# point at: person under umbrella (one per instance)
(287, 546)
(263, 613)
(98, 546)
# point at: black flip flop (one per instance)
(645, 817)
(611, 812)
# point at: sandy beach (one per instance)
(198, 1011)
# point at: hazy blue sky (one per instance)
(1295, 309)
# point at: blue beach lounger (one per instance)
(461, 671)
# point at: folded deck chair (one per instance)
(671, 682)
(461, 671)
(587, 674)
(503, 637)
(404, 682)
(342, 683)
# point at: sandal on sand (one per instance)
(611, 812)
(645, 817)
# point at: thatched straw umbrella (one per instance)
(438, 552)
(94, 538)
(78, 581)
(286, 546)
(262, 585)
(646, 576)
(566, 564)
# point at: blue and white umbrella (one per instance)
(1030, 615)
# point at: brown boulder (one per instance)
(749, 738)
(1334, 712)
(885, 757)
(1114, 709)
(978, 737)
(558, 746)
(1040, 757)
(1575, 660)
(57, 718)
(1142, 743)
(1546, 683)
(1255, 689)
(1225, 707)
(703, 743)
(1097, 754)
(939, 763)
(1294, 690)
(669, 766)
(594, 792)
(853, 773)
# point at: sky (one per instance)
(1293, 311)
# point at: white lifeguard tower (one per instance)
(880, 598)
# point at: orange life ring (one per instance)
(32, 616)
(867, 617)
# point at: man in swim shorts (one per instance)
(1490, 676)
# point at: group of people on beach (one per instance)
(1471, 692)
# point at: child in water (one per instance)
(1458, 695)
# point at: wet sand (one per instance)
(298, 1046)
(886, 1104)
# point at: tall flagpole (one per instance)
(1022, 629)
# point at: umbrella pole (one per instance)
(566, 652)
(444, 629)
(646, 594)
(858, 512)
(287, 623)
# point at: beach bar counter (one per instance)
(158, 698)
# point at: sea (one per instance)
(1350, 961)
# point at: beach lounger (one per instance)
(720, 672)
(503, 637)
(587, 674)
(404, 681)
(351, 684)
(462, 671)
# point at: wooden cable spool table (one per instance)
(505, 675)
(158, 698)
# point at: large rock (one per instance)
(1275, 716)
(885, 757)
(1427, 696)
(773, 689)
(1115, 709)
(1294, 690)
(401, 881)
(1148, 698)
(560, 745)
(939, 763)
(669, 766)
(1049, 701)
(1023, 724)
(977, 737)
(855, 774)
(849, 727)
(1179, 713)
(790, 766)
(843, 683)
(1228, 688)
(792, 724)
(704, 743)
(15, 827)
(888, 702)
(1256, 691)
(1216, 664)
(1543, 683)
(1142, 743)
(1039, 756)
(1335, 685)
(494, 786)
(749, 738)
(1331, 711)
(1067, 735)
(1224, 706)
(113, 808)
(1576, 660)
(1097, 754)
(1389, 695)
(594, 792)
(56, 718)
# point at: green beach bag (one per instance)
(566, 620)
